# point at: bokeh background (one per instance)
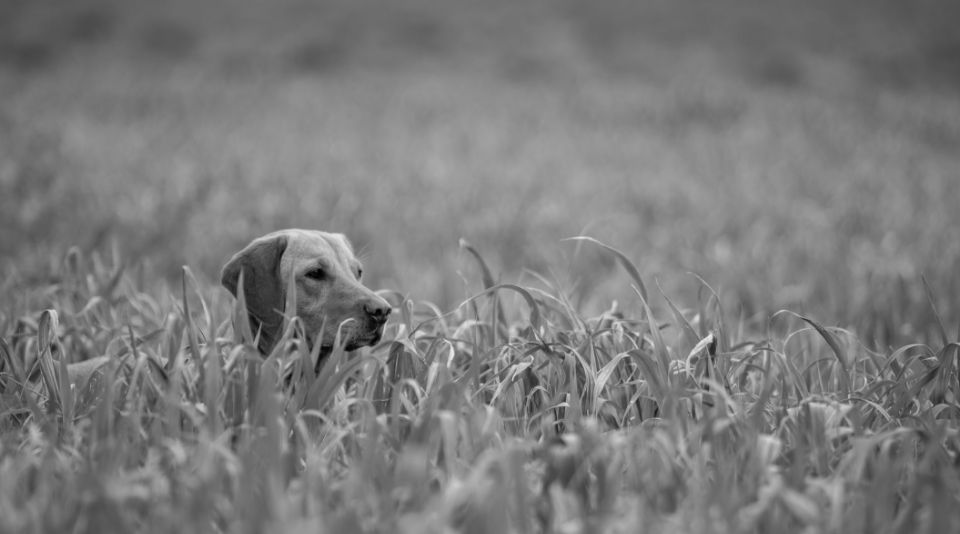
(801, 155)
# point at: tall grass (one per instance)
(513, 412)
(802, 159)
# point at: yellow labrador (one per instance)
(329, 293)
(326, 275)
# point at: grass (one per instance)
(683, 146)
(513, 413)
(804, 167)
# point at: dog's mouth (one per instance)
(368, 338)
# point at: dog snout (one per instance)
(377, 309)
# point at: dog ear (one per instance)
(263, 289)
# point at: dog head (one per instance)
(326, 275)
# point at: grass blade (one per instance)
(46, 331)
(622, 258)
(838, 350)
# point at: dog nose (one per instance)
(378, 310)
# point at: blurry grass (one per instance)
(758, 150)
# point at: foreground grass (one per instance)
(513, 413)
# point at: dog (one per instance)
(330, 296)
(326, 274)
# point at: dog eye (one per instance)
(359, 273)
(316, 274)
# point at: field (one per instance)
(755, 330)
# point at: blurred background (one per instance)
(801, 155)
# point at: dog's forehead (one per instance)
(309, 246)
